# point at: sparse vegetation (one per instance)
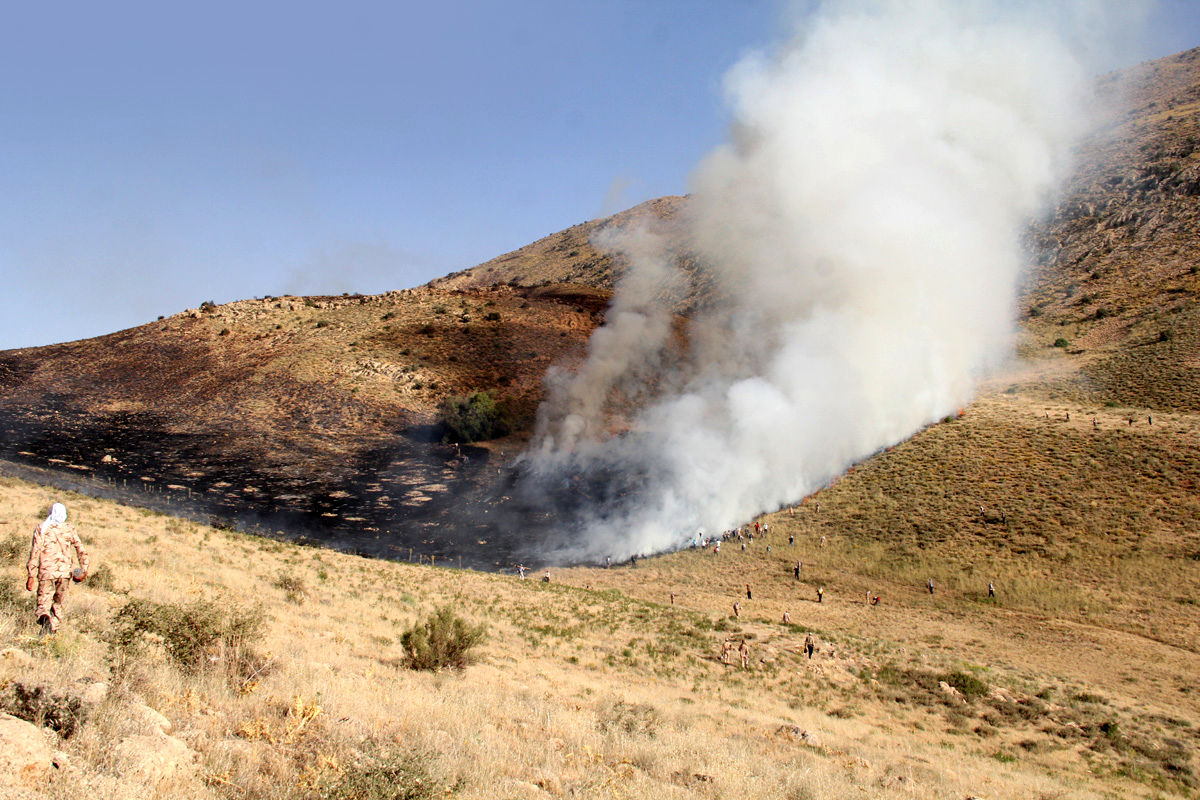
(195, 635)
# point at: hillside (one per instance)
(1070, 484)
(606, 682)
(315, 413)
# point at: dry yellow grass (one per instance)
(594, 685)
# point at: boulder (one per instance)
(93, 694)
(149, 719)
(25, 757)
(154, 757)
(16, 659)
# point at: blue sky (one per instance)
(153, 156)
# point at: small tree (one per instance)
(472, 419)
(442, 640)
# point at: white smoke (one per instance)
(863, 232)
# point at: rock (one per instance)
(25, 758)
(149, 718)
(17, 659)
(93, 694)
(950, 691)
(154, 757)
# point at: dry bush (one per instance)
(194, 635)
(60, 712)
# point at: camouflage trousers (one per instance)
(50, 594)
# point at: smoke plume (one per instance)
(861, 232)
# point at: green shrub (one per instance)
(101, 578)
(293, 587)
(195, 635)
(63, 713)
(386, 776)
(14, 598)
(1061, 342)
(13, 547)
(970, 686)
(472, 419)
(442, 640)
(634, 719)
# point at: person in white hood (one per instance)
(49, 566)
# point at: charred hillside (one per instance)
(312, 414)
(317, 415)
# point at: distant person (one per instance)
(787, 618)
(521, 571)
(1149, 419)
(991, 589)
(744, 652)
(672, 598)
(726, 649)
(875, 600)
(929, 585)
(796, 570)
(791, 540)
(820, 594)
(546, 578)
(607, 562)
(737, 608)
(633, 560)
(49, 566)
(748, 595)
(810, 644)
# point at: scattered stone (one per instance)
(950, 691)
(149, 718)
(93, 694)
(25, 758)
(17, 659)
(154, 757)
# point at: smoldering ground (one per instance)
(862, 228)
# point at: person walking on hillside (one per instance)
(49, 566)
(929, 585)
(820, 594)
(748, 595)
(810, 644)
(744, 652)
(991, 589)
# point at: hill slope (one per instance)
(316, 414)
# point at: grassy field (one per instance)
(1076, 680)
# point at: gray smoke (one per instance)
(862, 230)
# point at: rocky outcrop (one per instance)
(26, 758)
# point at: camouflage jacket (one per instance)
(50, 556)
